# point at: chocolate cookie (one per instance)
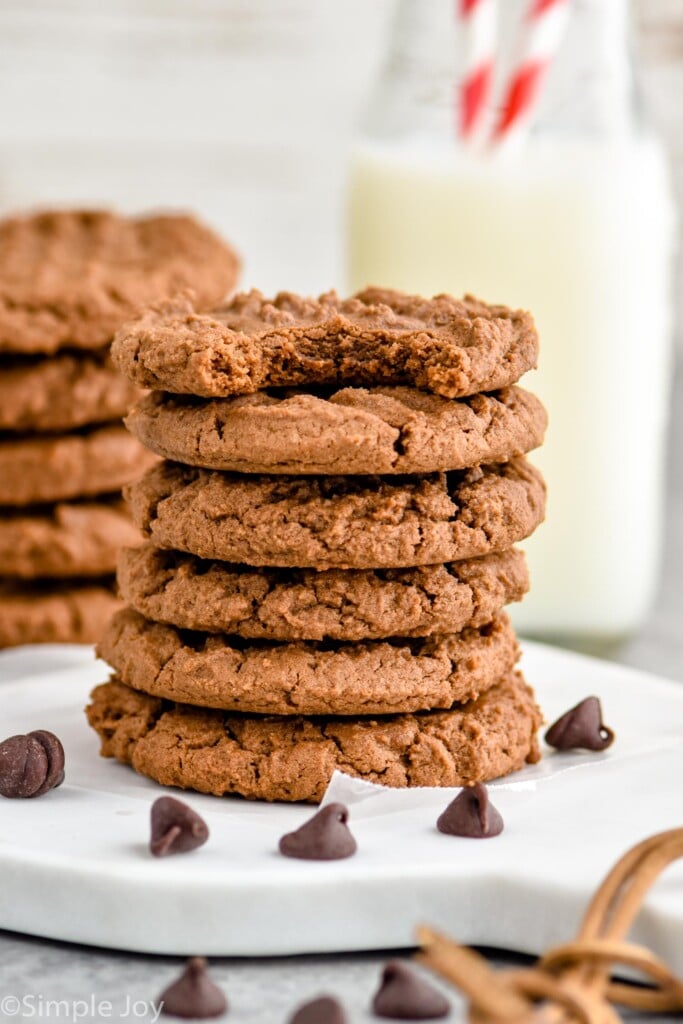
(305, 604)
(75, 539)
(294, 758)
(371, 678)
(36, 470)
(61, 393)
(70, 279)
(338, 521)
(377, 337)
(41, 614)
(381, 430)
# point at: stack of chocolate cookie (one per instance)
(68, 280)
(329, 545)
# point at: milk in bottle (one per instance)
(576, 225)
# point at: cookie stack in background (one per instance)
(68, 281)
(330, 545)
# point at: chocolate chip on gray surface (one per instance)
(175, 827)
(326, 836)
(404, 995)
(30, 765)
(194, 995)
(471, 815)
(323, 1010)
(581, 728)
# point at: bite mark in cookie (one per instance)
(377, 337)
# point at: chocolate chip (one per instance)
(324, 1010)
(404, 995)
(176, 828)
(55, 759)
(581, 728)
(326, 836)
(193, 995)
(471, 815)
(23, 766)
(31, 765)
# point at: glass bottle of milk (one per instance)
(575, 224)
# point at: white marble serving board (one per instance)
(74, 865)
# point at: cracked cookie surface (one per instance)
(354, 430)
(62, 392)
(342, 522)
(44, 613)
(307, 604)
(449, 346)
(39, 469)
(71, 278)
(68, 539)
(293, 759)
(375, 677)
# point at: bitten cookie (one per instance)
(36, 470)
(70, 279)
(63, 392)
(374, 677)
(377, 337)
(305, 604)
(356, 430)
(342, 522)
(294, 758)
(41, 613)
(78, 539)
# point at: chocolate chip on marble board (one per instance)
(175, 827)
(325, 836)
(30, 765)
(471, 814)
(404, 995)
(193, 995)
(323, 1010)
(581, 728)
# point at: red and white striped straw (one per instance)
(477, 21)
(545, 24)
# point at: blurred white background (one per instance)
(238, 109)
(243, 110)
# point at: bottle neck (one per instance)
(589, 88)
(591, 83)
